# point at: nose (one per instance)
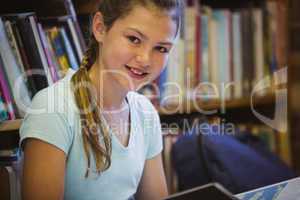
(143, 57)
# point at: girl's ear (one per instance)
(98, 27)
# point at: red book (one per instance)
(6, 93)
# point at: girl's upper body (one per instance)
(90, 135)
(55, 119)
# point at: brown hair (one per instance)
(111, 10)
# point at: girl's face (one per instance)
(136, 48)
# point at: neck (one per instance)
(110, 95)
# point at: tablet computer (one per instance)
(211, 191)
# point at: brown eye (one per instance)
(134, 39)
(162, 49)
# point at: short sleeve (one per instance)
(50, 127)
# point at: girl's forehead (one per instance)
(142, 14)
(149, 20)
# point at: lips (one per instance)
(136, 73)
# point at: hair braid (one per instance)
(91, 123)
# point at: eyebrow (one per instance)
(145, 37)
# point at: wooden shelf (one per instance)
(210, 105)
(186, 108)
(10, 125)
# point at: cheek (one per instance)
(115, 57)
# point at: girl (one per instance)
(90, 136)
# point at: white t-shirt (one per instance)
(54, 118)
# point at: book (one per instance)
(13, 44)
(51, 59)
(60, 52)
(6, 93)
(38, 70)
(222, 20)
(41, 52)
(247, 50)
(67, 23)
(28, 78)
(12, 71)
(3, 109)
(71, 10)
(70, 53)
(10, 176)
(237, 55)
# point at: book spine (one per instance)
(258, 46)
(237, 55)
(30, 82)
(205, 53)
(60, 53)
(7, 97)
(190, 47)
(12, 71)
(48, 53)
(281, 39)
(71, 56)
(213, 51)
(198, 49)
(75, 39)
(41, 52)
(36, 68)
(3, 109)
(13, 45)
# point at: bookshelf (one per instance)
(194, 106)
(44, 25)
(238, 110)
(11, 125)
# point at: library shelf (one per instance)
(10, 125)
(173, 109)
(190, 106)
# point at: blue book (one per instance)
(3, 110)
(161, 82)
(205, 52)
(70, 52)
(223, 39)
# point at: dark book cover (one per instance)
(33, 55)
(30, 80)
(248, 50)
(38, 81)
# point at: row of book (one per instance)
(223, 53)
(34, 53)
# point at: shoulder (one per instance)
(56, 98)
(51, 118)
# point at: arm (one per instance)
(153, 183)
(43, 171)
